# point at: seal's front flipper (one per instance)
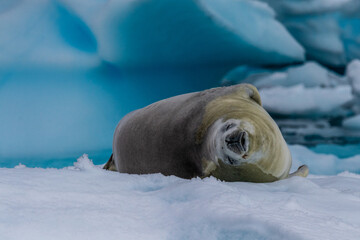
(302, 171)
(110, 165)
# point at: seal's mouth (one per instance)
(237, 142)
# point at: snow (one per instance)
(300, 100)
(86, 202)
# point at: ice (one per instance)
(310, 131)
(70, 34)
(308, 89)
(324, 164)
(191, 32)
(352, 122)
(309, 74)
(342, 151)
(308, 6)
(86, 202)
(328, 30)
(353, 75)
(44, 34)
(298, 100)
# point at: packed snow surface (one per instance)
(87, 202)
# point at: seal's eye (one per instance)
(228, 126)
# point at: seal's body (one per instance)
(223, 132)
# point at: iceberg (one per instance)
(42, 34)
(192, 32)
(328, 30)
(308, 90)
(152, 33)
(56, 115)
(310, 74)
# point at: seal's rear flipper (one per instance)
(110, 164)
(302, 171)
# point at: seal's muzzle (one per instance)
(237, 141)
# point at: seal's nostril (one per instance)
(243, 141)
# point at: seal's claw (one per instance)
(302, 171)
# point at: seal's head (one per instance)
(243, 140)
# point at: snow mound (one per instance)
(68, 203)
(300, 100)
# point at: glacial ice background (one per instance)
(69, 70)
